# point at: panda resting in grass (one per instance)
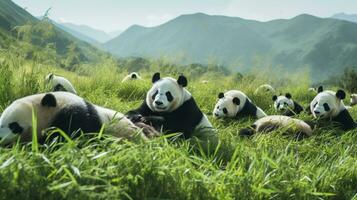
(267, 124)
(235, 104)
(353, 99)
(329, 105)
(131, 77)
(170, 108)
(286, 105)
(62, 110)
(264, 89)
(59, 83)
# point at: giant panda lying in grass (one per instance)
(65, 111)
(329, 105)
(172, 109)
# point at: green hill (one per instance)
(32, 38)
(325, 45)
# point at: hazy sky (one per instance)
(110, 15)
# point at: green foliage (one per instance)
(265, 166)
(348, 80)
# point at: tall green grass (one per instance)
(270, 166)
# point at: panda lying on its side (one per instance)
(286, 105)
(63, 110)
(274, 122)
(59, 83)
(235, 104)
(329, 105)
(170, 107)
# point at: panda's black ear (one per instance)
(49, 100)
(51, 76)
(288, 95)
(341, 94)
(155, 77)
(236, 101)
(320, 89)
(220, 95)
(274, 98)
(182, 80)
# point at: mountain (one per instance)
(347, 17)
(88, 32)
(324, 45)
(40, 39)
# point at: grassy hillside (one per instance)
(325, 46)
(265, 166)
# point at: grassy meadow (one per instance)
(269, 166)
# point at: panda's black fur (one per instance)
(345, 120)
(249, 109)
(176, 121)
(74, 118)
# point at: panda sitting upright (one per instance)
(171, 108)
(329, 105)
(286, 105)
(235, 104)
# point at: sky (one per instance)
(113, 15)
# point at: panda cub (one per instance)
(329, 105)
(63, 110)
(274, 122)
(132, 76)
(171, 108)
(286, 105)
(235, 104)
(59, 83)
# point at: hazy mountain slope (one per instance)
(241, 43)
(347, 17)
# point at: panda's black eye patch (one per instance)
(285, 103)
(15, 128)
(225, 111)
(154, 95)
(315, 104)
(169, 96)
(277, 105)
(326, 107)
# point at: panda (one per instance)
(273, 122)
(63, 110)
(264, 89)
(171, 108)
(59, 83)
(235, 104)
(353, 99)
(132, 76)
(329, 105)
(286, 105)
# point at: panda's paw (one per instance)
(136, 118)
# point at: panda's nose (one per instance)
(317, 112)
(159, 103)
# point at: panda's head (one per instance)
(167, 94)
(17, 118)
(283, 103)
(229, 104)
(328, 104)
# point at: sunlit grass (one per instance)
(266, 166)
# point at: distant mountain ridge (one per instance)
(347, 17)
(325, 45)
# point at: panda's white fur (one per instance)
(286, 105)
(235, 104)
(17, 117)
(353, 99)
(59, 83)
(132, 76)
(329, 105)
(273, 122)
(169, 100)
(264, 89)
